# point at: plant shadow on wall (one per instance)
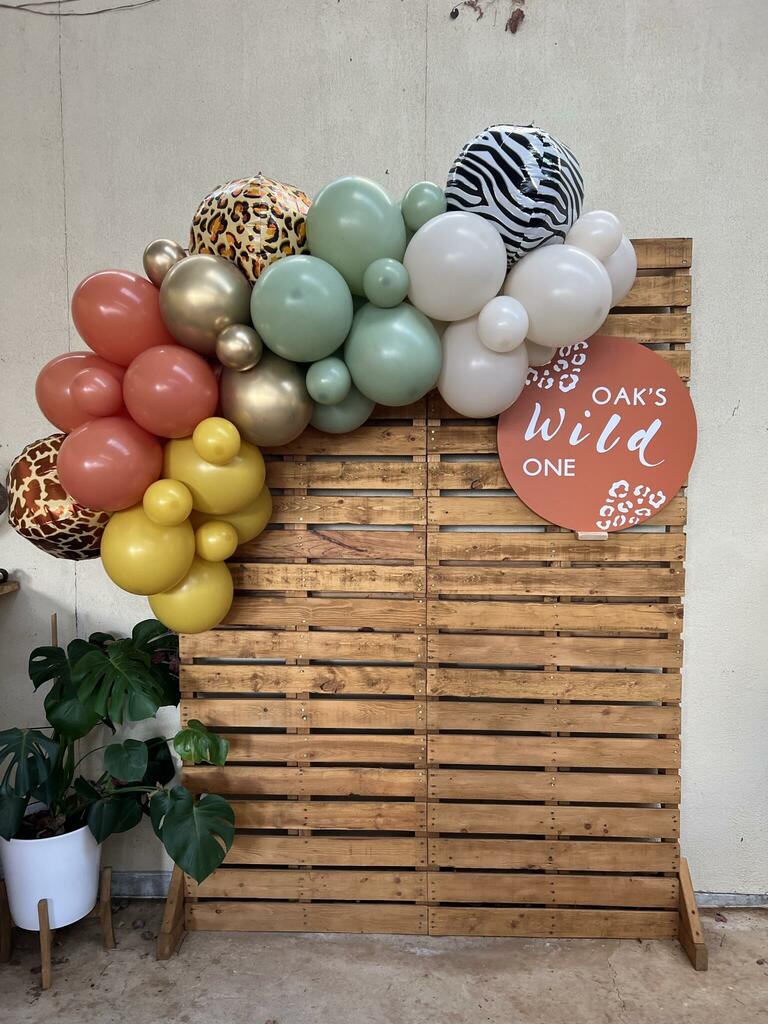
(46, 790)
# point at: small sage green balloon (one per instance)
(353, 222)
(348, 414)
(239, 347)
(159, 257)
(386, 282)
(302, 308)
(394, 355)
(329, 381)
(268, 404)
(199, 297)
(421, 203)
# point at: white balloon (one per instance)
(598, 232)
(502, 324)
(622, 269)
(538, 355)
(566, 293)
(475, 381)
(456, 262)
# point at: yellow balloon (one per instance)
(249, 521)
(143, 557)
(167, 502)
(215, 540)
(216, 490)
(199, 602)
(216, 440)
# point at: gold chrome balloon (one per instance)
(159, 257)
(216, 490)
(199, 297)
(239, 347)
(215, 540)
(248, 522)
(199, 602)
(269, 404)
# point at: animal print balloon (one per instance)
(251, 222)
(521, 179)
(40, 510)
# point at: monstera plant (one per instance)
(45, 791)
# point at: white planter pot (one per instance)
(63, 870)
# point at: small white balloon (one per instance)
(538, 355)
(598, 232)
(621, 267)
(474, 380)
(456, 263)
(502, 324)
(565, 291)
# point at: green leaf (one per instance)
(113, 813)
(28, 758)
(196, 744)
(46, 663)
(160, 767)
(66, 712)
(195, 833)
(119, 682)
(12, 809)
(127, 761)
(86, 790)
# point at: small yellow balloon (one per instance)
(167, 502)
(215, 540)
(248, 522)
(216, 440)
(216, 490)
(142, 556)
(199, 602)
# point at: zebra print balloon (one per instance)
(522, 180)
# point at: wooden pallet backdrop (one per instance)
(447, 716)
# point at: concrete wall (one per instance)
(114, 126)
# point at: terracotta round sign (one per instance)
(601, 438)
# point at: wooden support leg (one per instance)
(172, 929)
(689, 930)
(6, 926)
(105, 909)
(45, 944)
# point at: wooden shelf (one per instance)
(9, 587)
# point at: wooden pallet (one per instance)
(446, 715)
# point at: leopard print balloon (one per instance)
(251, 222)
(41, 510)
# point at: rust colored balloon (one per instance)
(117, 314)
(108, 463)
(97, 392)
(53, 389)
(41, 511)
(169, 389)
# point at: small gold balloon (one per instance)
(269, 404)
(239, 347)
(167, 502)
(216, 440)
(200, 296)
(215, 540)
(159, 257)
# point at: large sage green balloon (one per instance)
(421, 203)
(302, 308)
(328, 381)
(348, 414)
(351, 223)
(394, 355)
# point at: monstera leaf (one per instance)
(27, 760)
(68, 715)
(195, 744)
(108, 810)
(119, 682)
(12, 809)
(160, 766)
(46, 663)
(195, 833)
(127, 761)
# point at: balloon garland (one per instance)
(286, 313)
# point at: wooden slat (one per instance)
(290, 612)
(345, 474)
(317, 713)
(599, 686)
(366, 440)
(323, 646)
(325, 851)
(279, 884)
(578, 787)
(302, 679)
(578, 890)
(373, 749)
(600, 652)
(588, 718)
(589, 617)
(663, 253)
(651, 327)
(387, 816)
(527, 547)
(659, 290)
(561, 751)
(561, 855)
(336, 544)
(357, 510)
(532, 923)
(376, 918)
(554, 582)
(492, 511)
(378, 579)
(267, 780)
(522, 819)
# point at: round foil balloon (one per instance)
(521, 180)
(199, 297)
(251, 222)
(41, 511)
(270, 404)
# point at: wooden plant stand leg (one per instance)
(172, 930)
(6, 926)
(46, 941)
(689, 930)
(104, 907)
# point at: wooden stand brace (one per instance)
(102, 910)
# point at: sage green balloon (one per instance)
(421, 203)
(302, 308)
(329, 381)
(351, 223)
(348, 414)
(394, 355)
(386, 282)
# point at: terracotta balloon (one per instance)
(168, 390)
(53, 389)
(97, 392)
(108, 463)
(117, 314)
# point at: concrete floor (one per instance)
(317, 979)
